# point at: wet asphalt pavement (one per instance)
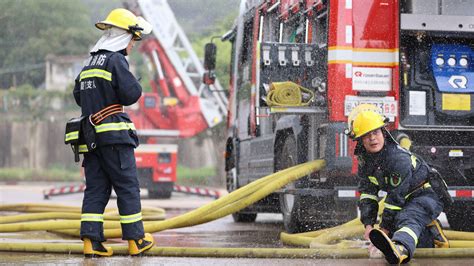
(264, 233)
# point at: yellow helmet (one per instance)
(363, 119)
(126, 20)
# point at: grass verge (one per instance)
(35, 175)
(191, 176)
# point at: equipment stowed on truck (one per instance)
(411, 58)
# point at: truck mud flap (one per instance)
(337, 149)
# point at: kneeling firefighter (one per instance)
(411, 205)
(103, 87)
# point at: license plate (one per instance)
(387, 105)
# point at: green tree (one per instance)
(31, 29)
(198, 16)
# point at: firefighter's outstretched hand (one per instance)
(373, 251)
(384, 230)
(368, 228)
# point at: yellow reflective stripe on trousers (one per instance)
(410, 232)
(114, 127)
(72, 135)
(392, 207)
(373, 179)
(92, 217)
(368, 196)
(413, 161)
(83, 148)
(97, 73)
(127, 219)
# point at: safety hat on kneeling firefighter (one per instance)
(364, 119)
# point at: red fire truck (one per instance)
(413, 58)
(180, 104)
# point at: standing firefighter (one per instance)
(103, 87)
(411, 205)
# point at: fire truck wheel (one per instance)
(290, 204)
(460, 216)
(231, 184)
(160, 190)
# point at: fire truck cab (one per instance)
(156, 167)
(412, 58)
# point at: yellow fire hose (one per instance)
(336, 242)
(149, 214)
(288, 93)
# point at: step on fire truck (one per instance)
(412, 58)
(180, 104)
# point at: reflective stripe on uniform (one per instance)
(368, 196)
(373, 179)
(83, 148)
(114, 127)
(127, 219)
(72, 135)
(95, 72)
(92, 217)
(413, 161)
(410, 232)
(392, 207)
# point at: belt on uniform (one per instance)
(105, 112)
(423, 185)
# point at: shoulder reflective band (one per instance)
(97, 73)
(392, 207)
(413, 161)
(128, 219)
(83, 148)
(72, 135)
(410, 232)
(92, 217)
(114, 127)
(368, 196)
(373, 179)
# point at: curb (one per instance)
(63, 190)
(198, 191)
(71, 189)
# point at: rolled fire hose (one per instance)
(238, 200)
(288, 93)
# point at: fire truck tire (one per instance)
(291, 204)
(160, 190)
(460, 216)
(232, 184)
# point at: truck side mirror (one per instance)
(210, 56)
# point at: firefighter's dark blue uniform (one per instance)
(410, 205)
(106, 80)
